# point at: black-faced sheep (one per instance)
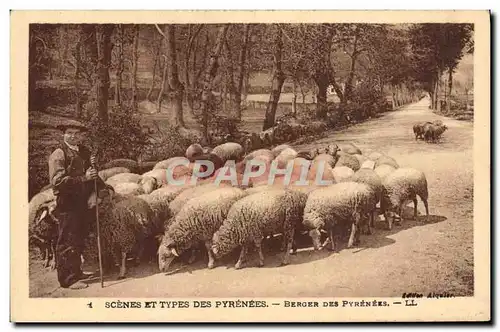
(197, 222)
(336, 208)
(255, 216)
(400, 187)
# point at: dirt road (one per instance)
(434, 254)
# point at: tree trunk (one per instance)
(322, 81)
(176, 87)
(436, 92)
(133, 76)
(120, 66)
(294, 99)
(78, 60)
(277, 82)
(210, 72)
(229, 86)
(450, 87)
(163, 84)
(241, 71)
(103, 39)
(155, 64)
(350, 79)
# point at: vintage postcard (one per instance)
(250, 166)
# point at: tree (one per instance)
(133, 74)
(277, 80)
(176, 87)
(103, 41)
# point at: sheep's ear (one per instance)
(174, 251)
(43, 215)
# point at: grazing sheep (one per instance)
(132, 165)
(193, 150)
(348, 160)
(384, 170)
(124, 178)
(159, 204)
(125, 224)
(109, 172)
(386, 160)
(342, 173)
(349, 148)
(196, 222)
(370, 178)
(277, 150)
(337, 207)
(164, 164)
(400, 187)
(374, 155)
(255, 216)
(185, 195)
(229, 151)
(433, 132)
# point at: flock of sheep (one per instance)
(429, 131)
(147, 212)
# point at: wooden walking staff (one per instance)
(94, 165)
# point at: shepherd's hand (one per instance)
(92, 159)
(91, 173)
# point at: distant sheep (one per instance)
(229, 151)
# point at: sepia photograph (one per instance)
(206, 159)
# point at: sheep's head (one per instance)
(167, 252)
(315, 235)
(332, 149)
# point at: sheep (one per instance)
(190, 193)
(418, 129)
(374, 155)
(257, 215)
(124, 178)
(148, 184)
(109, 172)
(132, 165)
(229, 151)
(285, 156)
(260, 152)
(193, 150)
(164, 164)
(277, 150)
(349, 148)
(329, 159)
(43, 232)
(209, 157)
(386, 160)
(368, 164)
(433, 132)
(196, 222)
(43, 197)
(384, 170)
(337, 207)
(348, 160)
(326, 171)
(400, 187)
(125, 223)
(160, 174)
(360, 158)
(370, 177)
(128, 188)
(342, 173)
(146, 166)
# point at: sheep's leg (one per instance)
(242, 256)
(211, 259)
(351, 238)
(389, 220)
(370, 217)
(52, 264)
(426, 204)
(123, 267)
(47, 257)
(258, 245)
(289, 240)
(331, 238)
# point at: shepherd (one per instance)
(72, 177)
